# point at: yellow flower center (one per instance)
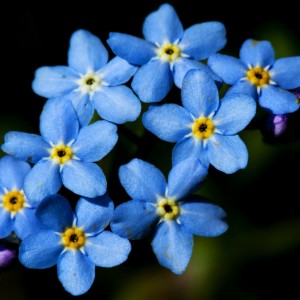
(258, 76)
(14, 201)
(61, 154)
(89, 82)
(167, 208)
(73, 238)
(203, 128)
(169, 52)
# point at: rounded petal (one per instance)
(6, 223)
(94, 214)
(84, 179)
(142, 180)
(86, 52)
(257, 53)
(43, 180)
(278, 101)
(185, 177)
(13, 172)
(243, 87)
(202, 40)
(169, 122)
(107, 249)
(153, 81)
(76, 272)
(117, 71)
(227, 153)
(117, 104)
(135, 50)
(286, 72)
(229, 68)
(58, 121)
(51, 82)
(40, 250)
(25, 146)
(234, 114)
(163, 25)
(199, 94)
(134, 219)
(203, 219)
(173, 246)
(95, 141)
(55, 213)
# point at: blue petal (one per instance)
(117, 104)
(86, 52)
(142, 180)
(95, 141)
(202, 40)
(199, 93)
(94, 214)
(51, 82)
(76, 272)
(229, 68)
(235, 113)
(58, 121)
(134, 219)
(163, 25)
(173, 246)
(6, 223)
(43, 180)
(227, 153)
(184, 177)
(135, 50)
(25, 146)
(183, 65)
(257, 53)
(117, 71)
(277, 100)
(55, 213)
(84, 179)
(40, 250)
(13, 172)
(203, 219)
(243, 87)
(169, 122)
(286, 72)
(153, 81)
(107, 249)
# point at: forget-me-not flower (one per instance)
(76, 243)
(259, 75)
(204, 127)
(166, 210)
(91, 82)
(167, 51)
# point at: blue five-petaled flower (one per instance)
(204, 127)
(167, 52)
(76, 243)
(65, 153)
(166, 210)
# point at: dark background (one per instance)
(259, 255)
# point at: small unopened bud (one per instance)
(7, 255)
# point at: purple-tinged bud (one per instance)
(7, 255)
(277, 124)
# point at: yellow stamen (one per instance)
(203, 128)
(73, 238)
(168, 52)
(258, 76)
(167, 208)
(61, 154)
(14, 201)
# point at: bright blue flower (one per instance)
(167, 52)
(65, 153)
(204, 127)
(259, 75)
(91, 82)
(166, 210)
(16, 214)
(76, 243)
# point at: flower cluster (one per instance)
(89, 98)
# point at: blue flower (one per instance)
(65, 153)
(167, 52)
(16, 214)
(204, 127)
(91, 82)
(76, 243)
(258, 74)
(166, 210)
